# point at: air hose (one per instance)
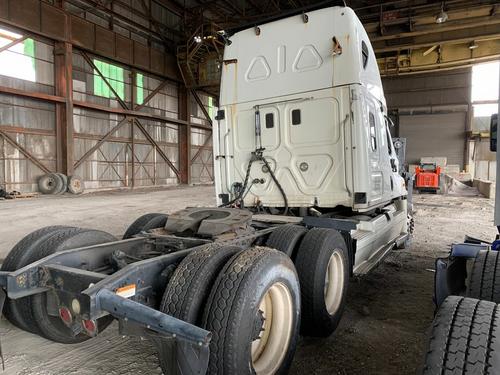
(257, 155)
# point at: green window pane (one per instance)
(139, 82)
(29, 50)
(114, 75)
(211, 109)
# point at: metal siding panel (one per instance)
(105, 41)
(141, 55)
(434, 135)
(124, 49)
(25, 13)
(53, 21)
(82, 32)
(4, 8)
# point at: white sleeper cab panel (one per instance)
(321, 110)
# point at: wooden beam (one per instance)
(13, 43)
(33, 95)
(202, 147)
(158, 149)
(100, 142)
(25, 152)
(202, 106)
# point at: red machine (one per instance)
(427, 177)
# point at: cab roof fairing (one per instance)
(294, 34)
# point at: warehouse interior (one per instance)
(124, 94)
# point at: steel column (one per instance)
(63, 66)
(184, 136)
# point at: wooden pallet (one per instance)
(22, 195)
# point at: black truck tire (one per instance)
(323, 266)
(190, 284)
(484, 281)
(156, 222)
(64, 186)
(52, 327)
(189, 287)
(286, 238)
(17, 258)
(465, 338)
(50, 183)
(246, 337)
(138, 225)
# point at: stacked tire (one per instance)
(58, 183)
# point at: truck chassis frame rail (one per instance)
(71, 275)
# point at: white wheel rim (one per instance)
(334, 282)
(268, 351)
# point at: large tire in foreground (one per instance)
(286, 238)
(253, 312)
(52, 327)
(484, 281)
(189, 288)
(17, 258)
(138, 225)
(323, 266)
(465, 338)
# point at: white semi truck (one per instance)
(309, 194)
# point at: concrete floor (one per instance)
(112, 212)
(383, 330)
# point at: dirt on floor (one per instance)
(383, 330)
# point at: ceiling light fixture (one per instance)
(473, 45)
(442, 15)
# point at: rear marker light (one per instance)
(65, 315)
(90, 326)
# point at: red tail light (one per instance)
(90, 326)
(65, 315)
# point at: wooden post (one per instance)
(184, 136)
(64, 111)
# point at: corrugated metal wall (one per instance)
(120, 162)
(433, 111)
(30, 123)
(202, 164)
(127, 158)
(434, 135)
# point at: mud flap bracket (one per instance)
(184, 345)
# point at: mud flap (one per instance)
(182, 357)
(187, 345)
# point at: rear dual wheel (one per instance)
(31, 313)
(322, 262)
(249, 300)
(323, 266)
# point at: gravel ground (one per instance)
(383, 330)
